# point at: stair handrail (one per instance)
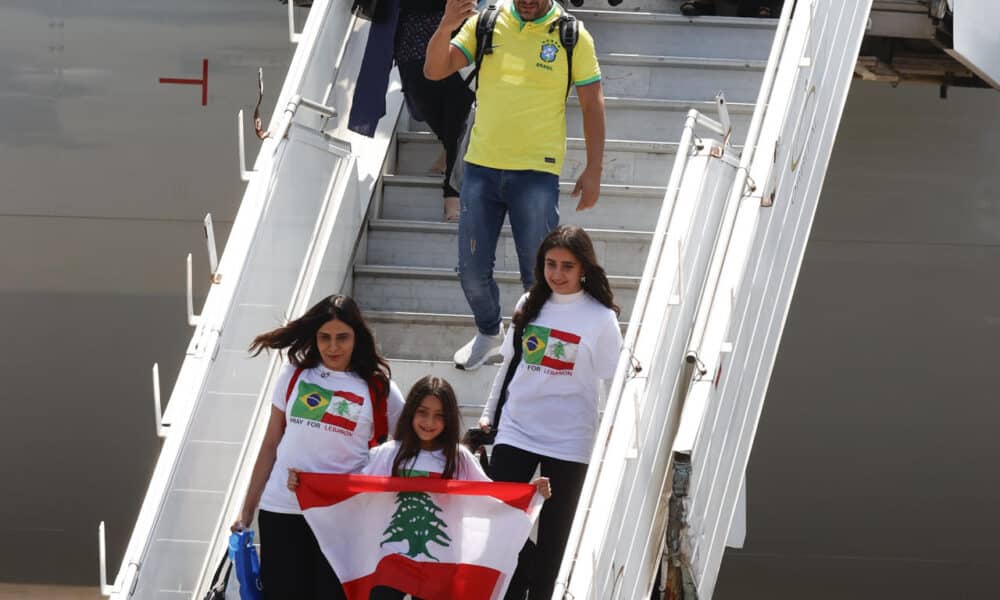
(625, 363)
(747, 305)
(302, 295)
(205, 339)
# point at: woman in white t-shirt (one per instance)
(331, 403)
(570, 341)
(425, 444)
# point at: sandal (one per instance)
(452, 209)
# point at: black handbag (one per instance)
(218, 589)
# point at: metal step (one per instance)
(662, 6)
(416, 336)
(471, 387)
(680, 78)
(429, 290)
(653, 119)
(663, 34)
(641, 119)
(639, 163)
(430, 244)
(631, 207)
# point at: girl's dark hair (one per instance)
(298, 339)
(576, 240)
(409, 443)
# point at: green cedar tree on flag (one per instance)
(437, 539)
(550, 348)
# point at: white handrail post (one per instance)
(161, 429)
(242, 147)
(727, 124)
(293, 37)
(102, 556)
(191, 317)
(213, 255)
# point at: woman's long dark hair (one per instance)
(447, 440)
(298, 339)
(576, 240)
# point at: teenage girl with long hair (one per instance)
(425, 444)
(570, 341)
(329, 405)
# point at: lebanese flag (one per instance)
(560, 351)
(437, 539)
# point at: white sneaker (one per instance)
(482, 349)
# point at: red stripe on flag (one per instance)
(552, 363)
(339, 421)
(427, 580)
(356, 399)
(564, 336)
(326, 489)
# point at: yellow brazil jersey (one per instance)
(521, 101)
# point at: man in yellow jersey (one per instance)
(517, 145)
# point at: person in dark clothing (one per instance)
(744, 8)
(399, 33)
(443, 105)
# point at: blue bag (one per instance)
(243, 554)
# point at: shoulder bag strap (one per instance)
(511, 369)
(291, 384)
(380, 419)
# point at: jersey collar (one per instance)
(553, 10)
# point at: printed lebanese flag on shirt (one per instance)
(334, 407)
(437, 539)
(549, 347)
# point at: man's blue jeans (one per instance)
(531, 198)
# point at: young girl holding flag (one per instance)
(332, 402)
(567, 331)
(425, 444)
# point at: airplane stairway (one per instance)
(656, 65)
(379, 236)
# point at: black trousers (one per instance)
(538, 564)
(291, 563)
(443, 105)
(385, 593)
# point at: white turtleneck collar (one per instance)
(566, 298)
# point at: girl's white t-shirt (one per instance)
(424, 464)
(552, 401)
(328, 423)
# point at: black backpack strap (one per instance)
(569, 33)
(484, 38)
(511, 369)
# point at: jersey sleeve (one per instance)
(609, 347)
(469, 468)
(394, 406)
(465, 39)
(585, 67)
(279, 395)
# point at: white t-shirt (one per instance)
(424, 464)
(552, 401)
(328, 423)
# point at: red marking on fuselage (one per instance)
(203, 82)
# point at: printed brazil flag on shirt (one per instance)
(334, 407)
(550, 348)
